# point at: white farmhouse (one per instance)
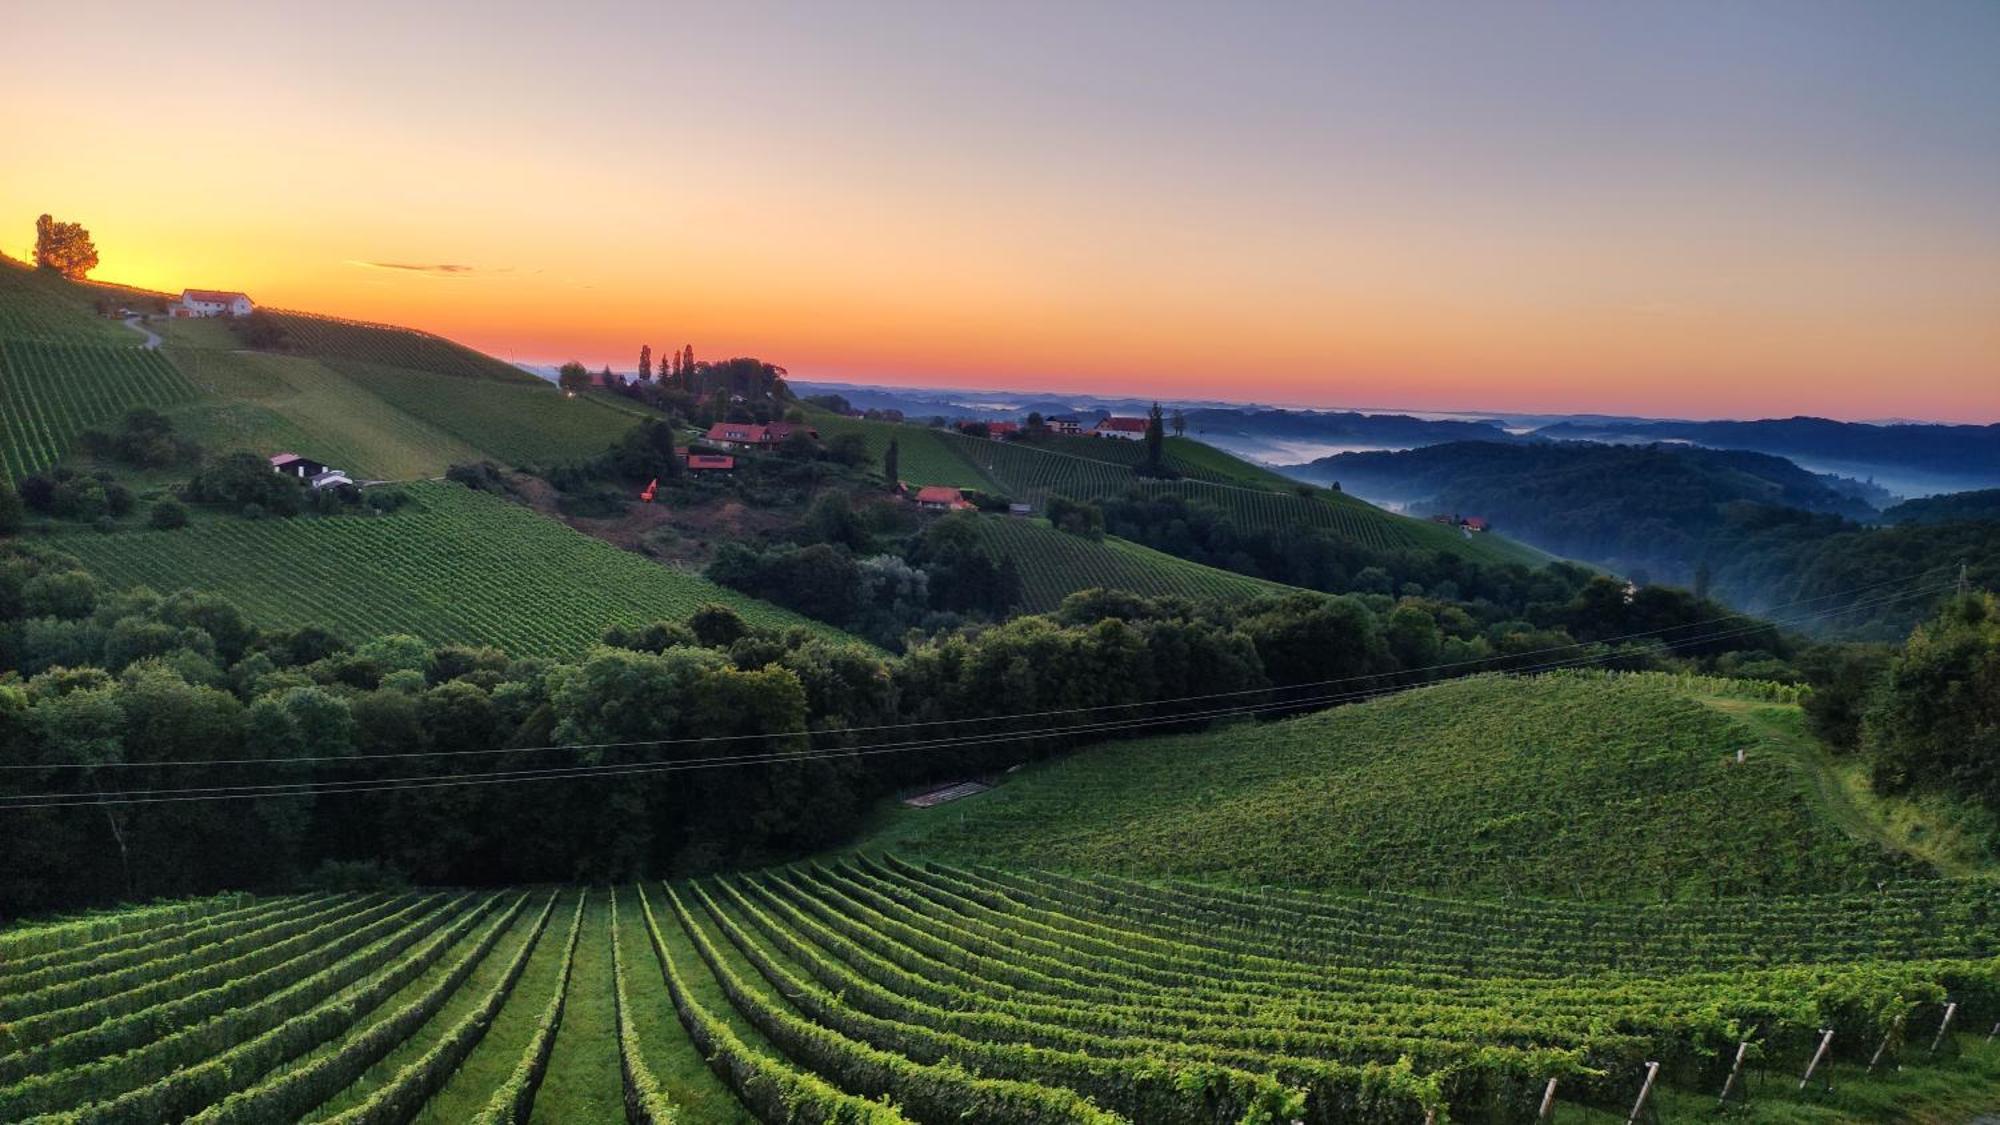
(212, 302)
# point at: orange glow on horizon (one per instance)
(866, 217)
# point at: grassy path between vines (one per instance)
(697, 1092)
(490, 1063)
(1946, 837)
(583, 1083)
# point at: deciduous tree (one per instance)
(65, 248)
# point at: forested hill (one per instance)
(1953, 507)
(1582, 498)
(1953, 457)
(1763, 532)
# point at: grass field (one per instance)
(1566, 784)
(453, 566)
(878, 989)
(1054, 565)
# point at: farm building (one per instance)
(1002, 429)
(750, 435)
(1124, 429)
(1473, 523)
(942, 498)
(708, 462)
(212, 302)
(315, 474)
(1065, 424)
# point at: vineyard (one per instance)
(332, 338)
(452, 566)
(1054, 565)
(49, 393)
(39, 306)
(878, 989)
(1563, 784)
(279, 403)
(529, 423)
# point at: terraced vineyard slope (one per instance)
(452, 566)
(1054, 565)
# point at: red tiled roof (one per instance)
(710, 461)
(939, 494)
(285, 458)
(212, 296)
(1124, 425)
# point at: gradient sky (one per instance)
(1686, 208)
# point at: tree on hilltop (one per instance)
(65, 248)
(890, 468)
(1179, 422)
(573, 376)
(645, 363)
(1156, 440)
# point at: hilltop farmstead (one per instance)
(212, 302)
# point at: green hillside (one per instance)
(452, 566)
(35, 305)
(1562, 784)
(1092, 468)
(380, 402)
(1054, 565)
(51, 392)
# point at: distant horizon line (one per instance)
(1299, 407)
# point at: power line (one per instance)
(1752, 625)
(336, 788)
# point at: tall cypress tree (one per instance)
(889, 466)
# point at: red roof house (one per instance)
(942, 498)
(750, 435)
(1126, 429)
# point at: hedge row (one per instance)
(513, 1102)
(771, 1090)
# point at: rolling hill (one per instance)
(1567, 784)
(452, 566)
(378, 401)
(1090, 469)
(1054, 565)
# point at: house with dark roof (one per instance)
(316, 475)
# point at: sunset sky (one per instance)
(1683, 208)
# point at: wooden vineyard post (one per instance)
(1548, 1102)
(1883, 1047)
(1735, 1071)
(1645, 1091)
(1944, 1027)
(1825, 1041)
